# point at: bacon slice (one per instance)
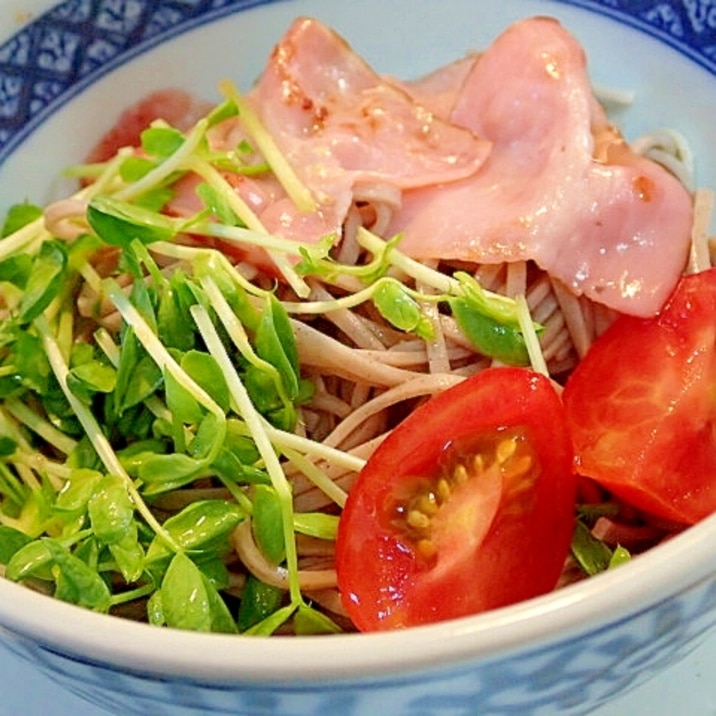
(341, 125)
(615, 228)
(439, 90)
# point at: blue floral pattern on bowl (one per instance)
(62, 51)
(571, 676)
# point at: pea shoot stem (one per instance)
(94, 432)
(256, 427)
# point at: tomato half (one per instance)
(641, 406)
(466, 506)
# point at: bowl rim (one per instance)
(569, 613)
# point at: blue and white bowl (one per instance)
(66, 70)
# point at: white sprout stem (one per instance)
(317, 476)
(171, 164)
(91, 427)
(233, 325)
(56, 472)
(23, 238)
(241, 235)
(277, 248)
(290, 441)
(94, 433)
(527, 326)
(296, 282)
(421, 272)
(27, 475)
(255, 425)
(40, 426)
(214, 179)
(156, 349)
(345, 302)
(106, 344)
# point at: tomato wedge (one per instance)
(466, 506)
(642, 406)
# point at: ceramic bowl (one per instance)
(66, 70)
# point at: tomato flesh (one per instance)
(642, 406)
(468, 505)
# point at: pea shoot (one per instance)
(151, 392)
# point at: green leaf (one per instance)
(161, 142)
(217, 205)
(269, 397)
(500, 308)
(173, 328)
(183, 405)
(316, 524)
(77, 582)
(77, 491)
(203, 527)
(19, 215)
(35, 512)
(267, 523)
(89, 378)
(400, 309)
(190, 601)
(620, 556)
(258, 601)
(118, 223)
(45, 281)
(209, 436)
(129, 555)
(11, 541)
(135, 454)
(138, 376)
(111, 510)
(215, 570)
(31, 363)
(16, 269)
(221, 112)
(185, 603)
(592, 555)
(167, 472)
(204, 370)
(274, 621)
(7, 446)
(309, 621)
(13, 490)
(491, 337)
(155, 609)
(275, 342)
(135, 168)
(235, 295)
(234, 463)
(31, 560)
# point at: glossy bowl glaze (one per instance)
(65, 73)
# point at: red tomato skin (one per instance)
(175, 106)
(382, 582)
(642, 406)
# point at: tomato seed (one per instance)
(443, 490)
(418, 520)
(505, 450)
(426, 548)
